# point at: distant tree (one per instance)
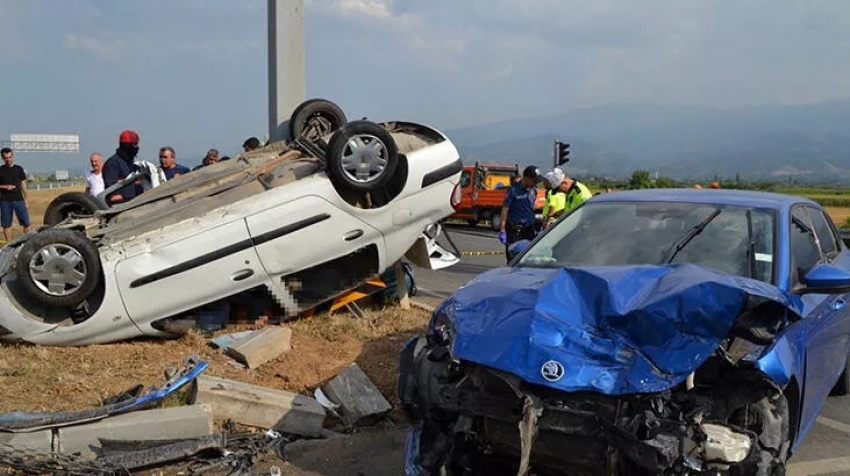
(640, 179)
(666, 182)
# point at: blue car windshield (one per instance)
(729, 239)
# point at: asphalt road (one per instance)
(826, 449)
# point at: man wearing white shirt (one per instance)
(94, 178)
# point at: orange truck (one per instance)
(483, 188)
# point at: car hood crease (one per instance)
(613, 330)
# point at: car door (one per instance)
(177, 272)
(837, 327)
(825, 315)
(308, 231)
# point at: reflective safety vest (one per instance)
(555, 202)
(576, 195)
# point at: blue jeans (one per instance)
(19, 209)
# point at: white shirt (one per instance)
(94, 182)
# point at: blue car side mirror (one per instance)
(517, 248)
(826, 278)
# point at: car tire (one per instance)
(58, 258)
(316, 118)
(72, 203)
(496, 221)
(362, 157)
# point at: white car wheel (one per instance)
(58, 267)
(362, 156)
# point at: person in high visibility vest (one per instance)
(556, 199)
(575, 191)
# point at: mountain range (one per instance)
(806, 143)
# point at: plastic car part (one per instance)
(58, 267)
(18, 421)
(316, 118)
(72, 205)
(362, 156)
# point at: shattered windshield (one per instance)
(734, 240)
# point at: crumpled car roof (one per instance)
(615, 330)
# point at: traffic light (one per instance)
(563, 152)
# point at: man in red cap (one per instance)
(119, 166)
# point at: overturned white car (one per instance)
(308, 219)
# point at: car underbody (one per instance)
(726, 419)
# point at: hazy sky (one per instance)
(192, 73)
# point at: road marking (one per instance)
(481, 253)
(822, 466)
(834, 424)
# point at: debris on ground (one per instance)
(260, 346)
(261, 407)
(360, 402)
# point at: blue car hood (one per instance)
(611, 330)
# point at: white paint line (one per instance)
(835, 425)
(823, 466)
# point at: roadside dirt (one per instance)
(34, 378)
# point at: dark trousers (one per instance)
(518, 232)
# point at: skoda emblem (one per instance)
(552, 371)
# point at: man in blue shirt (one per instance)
(518, 217)
(119, 166)
(168, 163)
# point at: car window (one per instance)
(465, 178)
(623, 233)
(826, 236)
(805, 251)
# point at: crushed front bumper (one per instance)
(495, 413)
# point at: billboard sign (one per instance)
(44, 142)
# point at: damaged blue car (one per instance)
(646, 332)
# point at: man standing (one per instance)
(119, 166)
(168, 163)
(94, 177)
(13, 194)
(576, 191)
(518, 217)
(556, 200)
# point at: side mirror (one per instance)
(517, 248)
(825, 278)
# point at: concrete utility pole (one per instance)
(287, 78)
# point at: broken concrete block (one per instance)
(226, 340)
(189, 421)
(261, 407)
(260, 346)
(361, 403)
(37, 440)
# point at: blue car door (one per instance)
(826, 322)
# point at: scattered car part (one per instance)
(145, 454)
(42, 462)
(19, 421)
